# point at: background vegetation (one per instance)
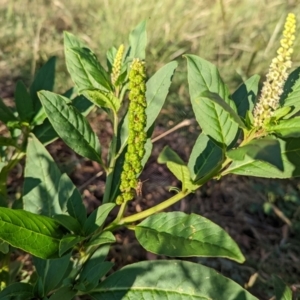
(240, 37)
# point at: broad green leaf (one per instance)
(181, 235)
(24, 103)
(289, 154)
(282, 291)
(260, 150)
(68, 222)
(97, 218)
(46, 133)
(89, 72)
(41, 180)
(68, 242)
(20, 228)
(65, 293)
(138, 41)
(219, 101)
(213, 119)
(43, 80)
(245, 96)
(70, 199)
(206, 156)
(178, 168)
(169, 279)
(286, 128)
(17, 291)
(71, 126)
(51, 271)
(291, 92)
(290, 86)
(103, 99)
(106, 237)
(6, 115)
(90, 276)
(157, 88)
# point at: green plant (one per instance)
(69, 249)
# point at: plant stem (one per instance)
(148, 212)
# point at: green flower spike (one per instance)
(277, 75)
(137, 136)
(116, 69)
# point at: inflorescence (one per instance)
(277, 75)
(137, 136)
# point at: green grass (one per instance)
(241, 37)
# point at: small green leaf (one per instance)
(68, 242)
(206, 156)
(245, 96)
(289, 155)
(94, 269)
(282, 291)
(178, 168)
(286, 128)
(68, 222)
(93, 74)
(46, 133)
(213, 119)
(43, 80)
(167, 154)
(71, 126)
(24, 103)
(110, 58)
(281, 112)
(41, 180)
(97, 218)
(169, 279)
(17, 291)
(106, 237)
(90, 277)
(19, 228)
(65, 293)
(51, 272)
(70, 199)
(138, 41)
(73, 62)
(181, 235)
(6, 115)
(260, 150)
(103, 99)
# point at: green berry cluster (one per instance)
(137, 136)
